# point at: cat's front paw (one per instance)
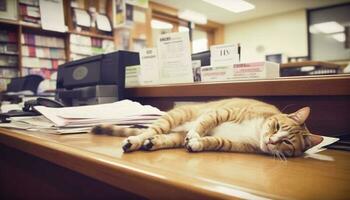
(132, 143)
(194, 145)
(151, 143)
(191, 135)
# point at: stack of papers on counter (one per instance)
(83, 118)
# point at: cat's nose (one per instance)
(271, 141)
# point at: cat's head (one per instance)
(288, 135)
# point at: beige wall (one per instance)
(285, 33)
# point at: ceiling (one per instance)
(262, 8)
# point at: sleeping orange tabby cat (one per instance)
(238, 125)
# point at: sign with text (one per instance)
(223, 55)
(149, 66)
(174, 53)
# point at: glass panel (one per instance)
(159, 27)
(183, 29)
(200, 41)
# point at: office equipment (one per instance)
(307, 68)
(28, 109)
(30, 82)
(277, 58)
(99, 73)
(204, 57)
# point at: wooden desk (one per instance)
(328, 96)
(177, 174)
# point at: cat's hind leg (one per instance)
(164, 141)
(163, 125)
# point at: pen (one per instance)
(239, 52)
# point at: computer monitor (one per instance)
(203, 56)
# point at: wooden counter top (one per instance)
(177, 174)
(324, 85)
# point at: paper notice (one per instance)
(52, 15)
(174, 53)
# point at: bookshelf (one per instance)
(79, 40)
(9, 54)
(26, 48)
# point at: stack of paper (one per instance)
(82, 118)
(123, 112)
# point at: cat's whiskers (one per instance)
(283, 156)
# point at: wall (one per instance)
(284, 33)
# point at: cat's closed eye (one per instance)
(287, 142)
(277, 127)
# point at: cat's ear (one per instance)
(312, 140)
(301, 115)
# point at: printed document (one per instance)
(174, 52)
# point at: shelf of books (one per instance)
(82, 46)
(8, 56)
(29, 12)
(41, 55)
(28, 46)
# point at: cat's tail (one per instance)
(108, 129)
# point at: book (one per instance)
(8, 61)
(43, 52)
(29, 13)
(8, 36)
(83, 46)
(9, 48)
(8, 73)
(42, 41)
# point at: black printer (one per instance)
(94, 80)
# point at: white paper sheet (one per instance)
(174, 53)
(223, 55)
(117, 112)
(326, 141)
(149, 71)
(52, 15)
(103, 23)
(82, 17)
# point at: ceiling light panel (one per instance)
(328, 27)
(192, 16)
(235, 6)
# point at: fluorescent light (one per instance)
(192, 16)
(339, 37)
(236, 6)
(328, 27)
(156, 24)
(314, 30)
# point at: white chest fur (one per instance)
(247, 131)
